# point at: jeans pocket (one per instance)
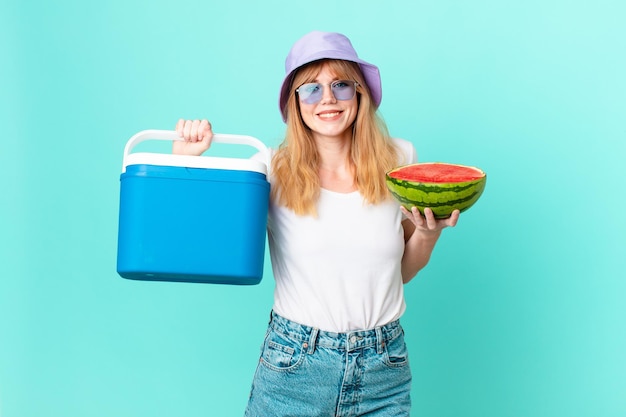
(396, 352)
(281, 353)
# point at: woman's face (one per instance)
(330, 117)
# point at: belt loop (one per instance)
(312, 341)
(380, 342)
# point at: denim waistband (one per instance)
(349, 341)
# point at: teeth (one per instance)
(329, 115)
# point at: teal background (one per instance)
(520, 312)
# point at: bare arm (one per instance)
(420, 236)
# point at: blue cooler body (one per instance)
(192, 223)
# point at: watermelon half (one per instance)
(442, 187)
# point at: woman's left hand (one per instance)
(427, 223)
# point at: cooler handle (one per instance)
(173, 135)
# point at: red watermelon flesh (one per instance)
(436, 172)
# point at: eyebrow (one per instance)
(336, 78)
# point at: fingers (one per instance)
(205, 133)
(194, 130)
(453, 219)
(413, 215)
(428, 221)
(189, 132)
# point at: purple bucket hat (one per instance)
(326, 45)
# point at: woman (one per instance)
(341, 248)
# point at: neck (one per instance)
(334, 152)
(336, 171)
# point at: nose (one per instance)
(327, 95)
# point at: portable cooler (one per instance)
(192, 218)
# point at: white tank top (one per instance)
(339, 271)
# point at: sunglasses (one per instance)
(312, 93)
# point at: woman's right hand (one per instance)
(197, 135)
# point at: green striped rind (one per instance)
(443, 199)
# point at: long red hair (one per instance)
(295, 166)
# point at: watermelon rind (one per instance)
(441, 198)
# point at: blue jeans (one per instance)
(305, 372)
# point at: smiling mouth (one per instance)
(329, 115)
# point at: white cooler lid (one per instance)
(211, 162)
